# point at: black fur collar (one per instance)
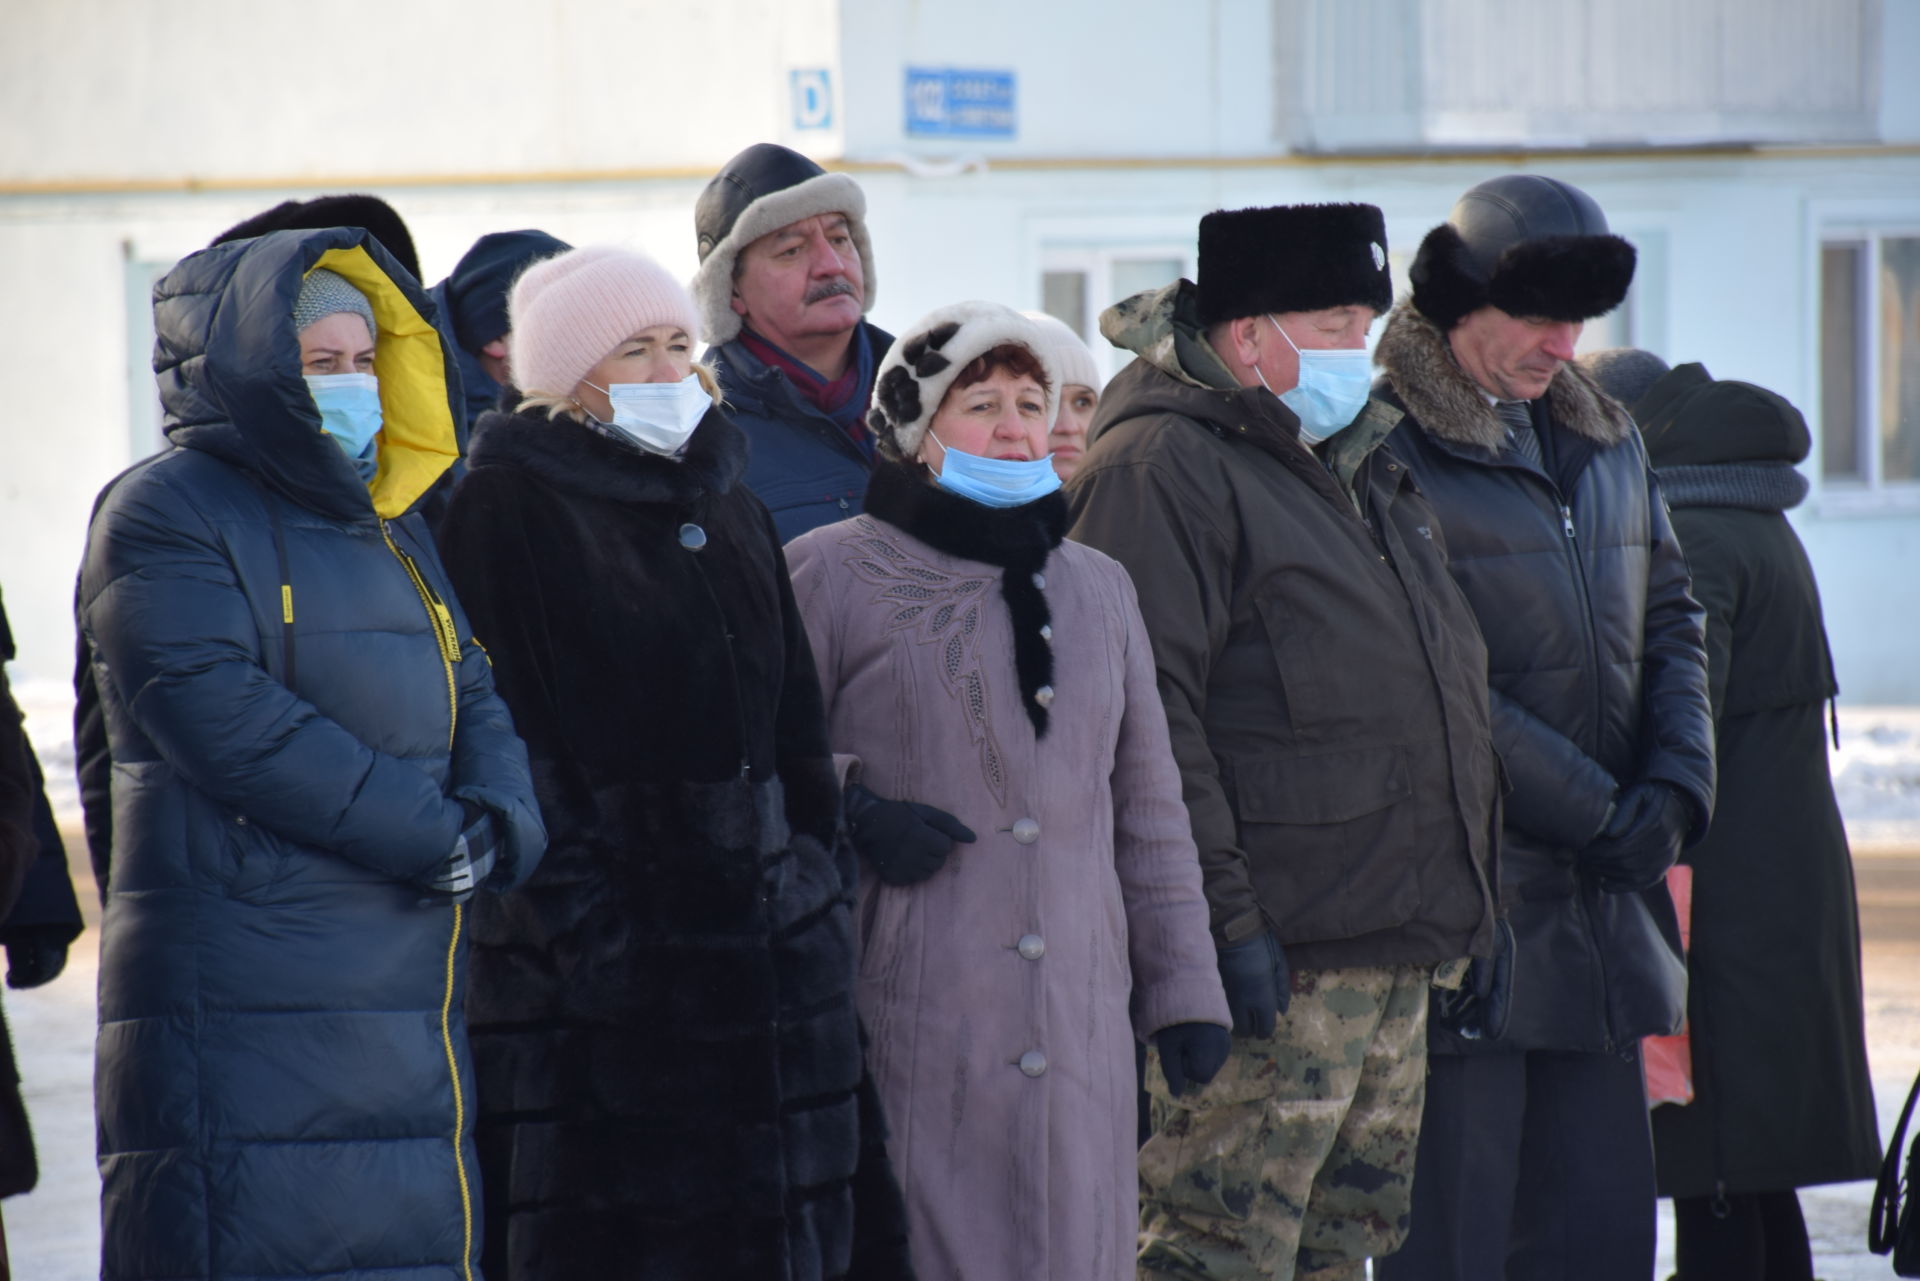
(1017, 539)
(569, 456)
(1448, 405)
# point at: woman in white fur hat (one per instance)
(1080, 384)
(1030, 900)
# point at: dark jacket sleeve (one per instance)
(806, 767)
(18, 845)
(1560, 793)
(173, 630)
(93, 762)
(1677, 728)
(490, 767)
(1162, 530)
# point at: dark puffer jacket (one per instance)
(1782, 1097)
(1324, 682)
(802, 465)
(1594, 655)
(293, 718)
(669, 1059)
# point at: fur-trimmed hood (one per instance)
(571, 456)
(1418, 362)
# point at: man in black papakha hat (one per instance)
(1535, 1159)
(1325, 689)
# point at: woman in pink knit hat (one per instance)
(669, 1066)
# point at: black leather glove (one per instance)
(1191, 1053)
(467, 868)
(1254, 973)
(36, 954)
(905, 841)
(1642, 839)
(1478, 1008)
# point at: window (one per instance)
(1076, 285)
(1870, 360)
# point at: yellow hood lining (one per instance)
(418, 439)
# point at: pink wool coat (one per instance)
(1003, 995)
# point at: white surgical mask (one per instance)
(658, 417)
(1331, 391)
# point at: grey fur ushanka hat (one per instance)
(917, 370)
(764, 188)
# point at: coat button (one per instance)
(1044, 696)
(1046, 632)
(692, 537)
(1040, 581)
(1033, 1063)
(240, 819)
(1026, 831)
(1032, 947)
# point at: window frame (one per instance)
(1094, 251)
(1870, 493)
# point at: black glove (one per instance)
(36, 954)
(1254, 973)
(469, 865)
(1191, 1052)
(1478, 1008)
(905, 841)
(1642, 839)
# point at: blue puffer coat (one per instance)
(293, 707)
(803, 465)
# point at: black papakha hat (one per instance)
(1292, 258)
(1530, 245)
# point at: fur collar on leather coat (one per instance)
(1448, 404)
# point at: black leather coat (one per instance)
(1597, 668)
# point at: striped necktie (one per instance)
(1518, 417)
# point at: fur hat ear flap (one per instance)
(1446, 283)
(1569, 278)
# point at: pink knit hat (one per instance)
(570, 311)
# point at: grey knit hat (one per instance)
(325, 292)
(1624, 373)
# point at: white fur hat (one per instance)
(917, 370)
(1070, 354)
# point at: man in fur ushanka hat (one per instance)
(785, 281)
(1326, 697)
(1535, 1158)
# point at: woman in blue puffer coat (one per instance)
(311, 773)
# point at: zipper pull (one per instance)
(1566, 519)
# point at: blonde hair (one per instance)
(533, 402)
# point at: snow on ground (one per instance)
(54, 1234)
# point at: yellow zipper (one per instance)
(443, 630)
(459, 1105)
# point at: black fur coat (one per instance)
(668, 1061)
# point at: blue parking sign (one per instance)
(812, 92)
(948, 102)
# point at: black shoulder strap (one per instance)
(1883, 1229)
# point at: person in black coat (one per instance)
(668, 1055)
(472, 310)
(311, 775)
(1535, 1159)
(1782, 1096)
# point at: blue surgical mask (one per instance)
(658, 417)
(995, 482)
(1332, 389)
(349, 407)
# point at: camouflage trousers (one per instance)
(1297, 1160)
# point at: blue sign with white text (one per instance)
(943, 102)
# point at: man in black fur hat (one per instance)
(1325, 689)
(1535, 1159)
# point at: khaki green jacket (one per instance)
(1324, 679)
